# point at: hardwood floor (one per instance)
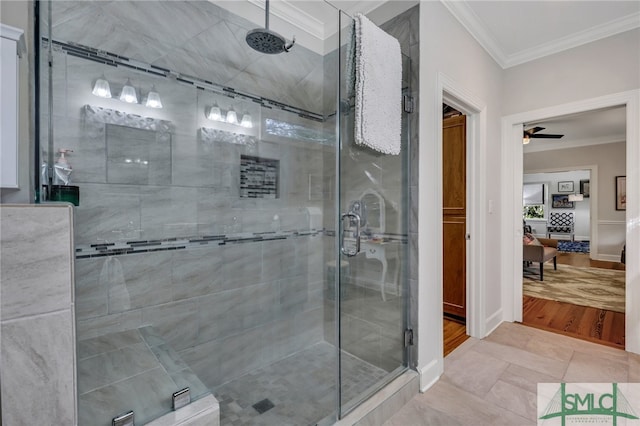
(455, 333)
(582, 322)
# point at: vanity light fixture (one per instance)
(128, 93)
(232, 117)
(153, 99)
(246, 121)
(214, 113)
(101, 88)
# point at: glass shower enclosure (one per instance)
(209, 181)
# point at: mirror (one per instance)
(374, 205)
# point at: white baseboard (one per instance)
(430, 374)
(608, 257)
(493, 322)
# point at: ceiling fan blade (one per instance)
(545, 136)
(533, 130)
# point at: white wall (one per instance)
(446, 47)
(606, 66)
(581, 211)
(611, 162)
(18, 14)
(591, 76)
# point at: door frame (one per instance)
(455, 95)
(511, 195)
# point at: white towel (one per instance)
(378, 88)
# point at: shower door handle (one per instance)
(353, 218)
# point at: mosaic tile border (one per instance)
(181, 243)
(84, 251)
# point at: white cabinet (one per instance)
(11, 47)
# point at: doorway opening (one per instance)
(454, 227)
(590, 299)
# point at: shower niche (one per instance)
(259, 177)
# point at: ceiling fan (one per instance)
(532, 133)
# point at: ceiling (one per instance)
(583, 129)
(515, 32)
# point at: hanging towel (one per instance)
(378, 88)
(112, 277)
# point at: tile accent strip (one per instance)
(87, 251)
(181, 243)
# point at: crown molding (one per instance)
(469, 20)
(295, 16)
(575, 143)
(15, 34)
(364, 7)
(608, 29)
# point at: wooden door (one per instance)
(454, 215)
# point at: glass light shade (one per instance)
(153, 99)
(214, 114)
(232, 117)
(526, 140)
(128, 94)
(246, 121)
(101, 88)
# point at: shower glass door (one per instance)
(372, 203)
(209, 181)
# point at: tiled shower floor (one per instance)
(301, 389)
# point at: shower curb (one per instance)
(384, 403)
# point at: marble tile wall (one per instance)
(206, 302)
(187, 183)
(37, 339)
(185, 37)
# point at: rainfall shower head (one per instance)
(266, 41)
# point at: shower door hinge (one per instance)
(407, 103)
(408, 337)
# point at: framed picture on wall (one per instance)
(561, 201)
(584, 188)
(565, 186)
(621, 192)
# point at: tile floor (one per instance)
(300, 389)
(493, 381)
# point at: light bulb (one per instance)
(214, 113)
(153, 99)
(232, 117)
(246, 121)
(128, 93)
(101, 88)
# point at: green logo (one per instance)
(588, 404)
